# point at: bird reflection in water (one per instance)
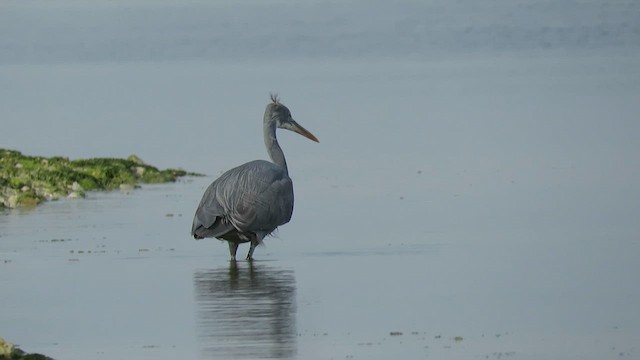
(246, 310)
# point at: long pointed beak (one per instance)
(295, 127)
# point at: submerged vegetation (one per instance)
(30, 180)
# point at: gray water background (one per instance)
(477, 177)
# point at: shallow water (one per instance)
(116, 275)
(474, 193)
(246, 310)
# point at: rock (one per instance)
(76, 195)
(76, 187)
(11, 201)
(139, 171)
(9, 351)
(136, 159)
(6, 349)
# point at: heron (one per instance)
(248, 202)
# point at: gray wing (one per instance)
(256, 196)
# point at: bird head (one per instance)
(281, 116)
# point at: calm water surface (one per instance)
(116, 275)
(474, 194)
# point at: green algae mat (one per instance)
(29, 180)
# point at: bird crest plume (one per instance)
(274, 98)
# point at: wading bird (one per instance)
(249, 202)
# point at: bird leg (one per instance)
(254, 243)
(233, 248)
(250, 254)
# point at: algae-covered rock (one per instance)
(6, 349)
(29, 180)
(9, 351)
(135, 159)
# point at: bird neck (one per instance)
(273, 148)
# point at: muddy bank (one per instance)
(30, 180)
